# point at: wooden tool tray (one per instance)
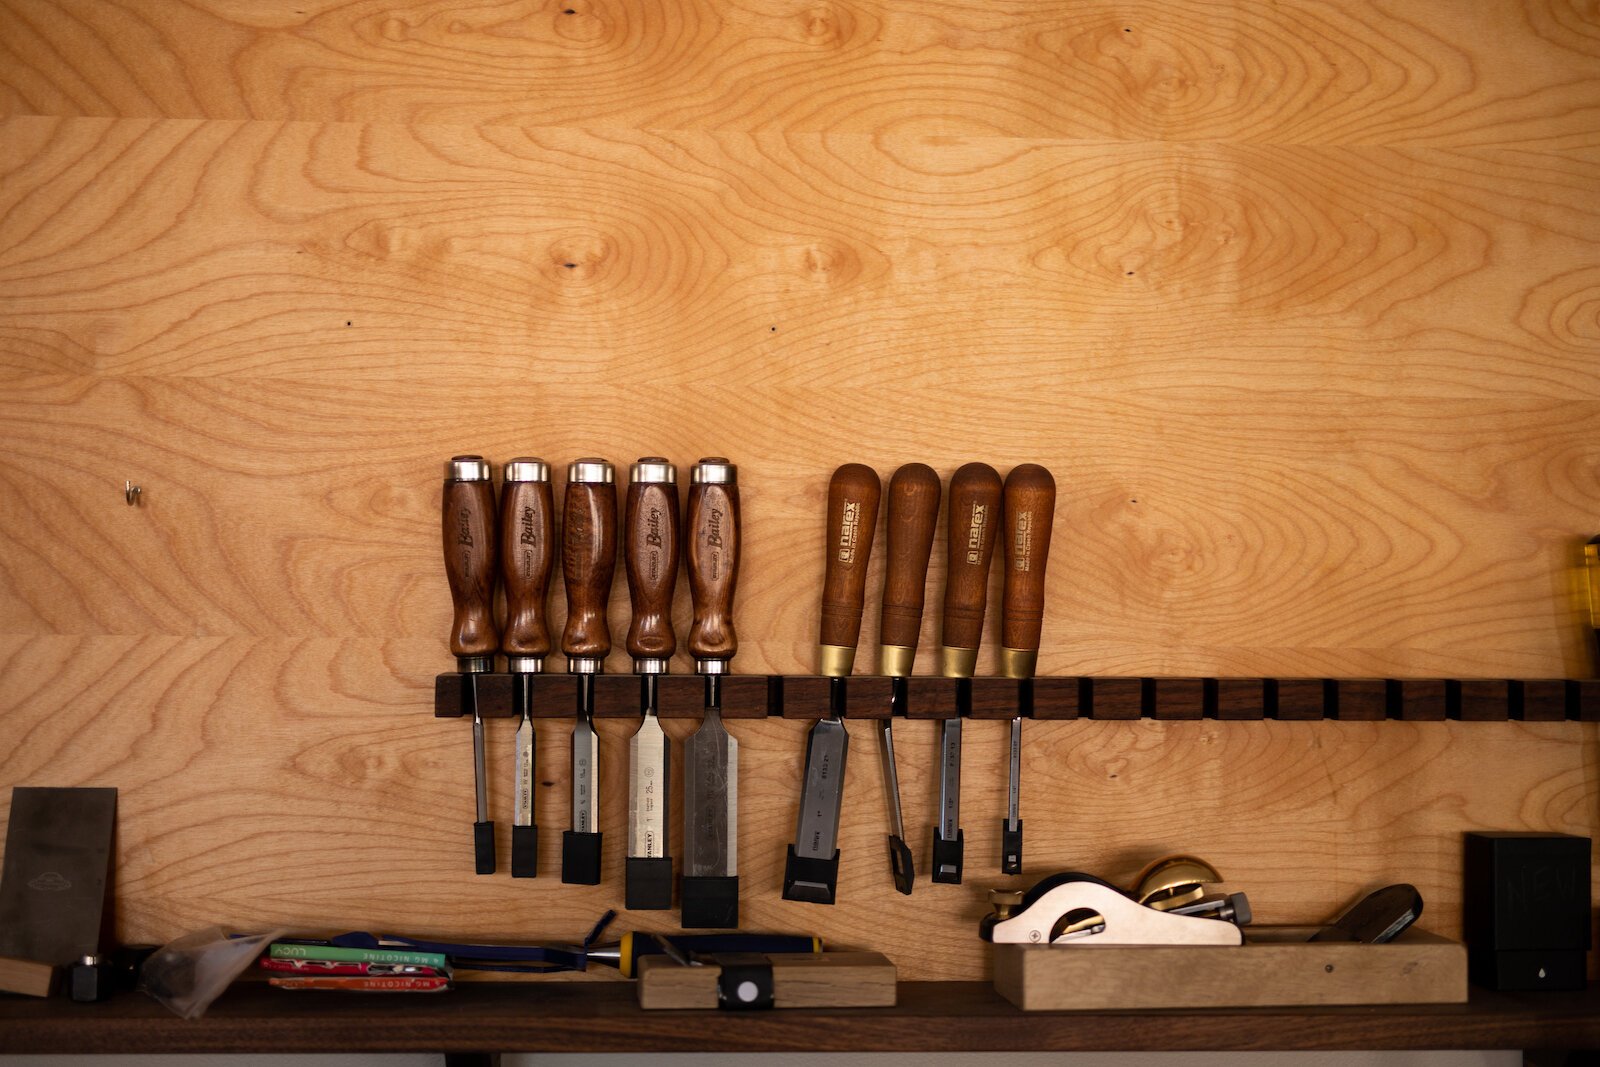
(1276, 966)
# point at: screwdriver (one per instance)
(711, 754)
(588, 562)
(527, 549)
(974, 508)
(467, 514)
(811, 871)
(914, 493)
(650, 527)
(1030, 507)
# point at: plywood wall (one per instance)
(1298, 301)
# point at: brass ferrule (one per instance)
(1018, 662)
(958, 662)
(896, 660)
(835, 661)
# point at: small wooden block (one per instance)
(1360, 699)
(930, 698)
(996, 698)
(1297, 699)
(805, 696)
(1241, 698)
(1479, 699)
(1418, 699)
(616, 696)
(1056, 698)
(27, 977)
(744, 696)
(822, 980)
(1177, 698)
(680, 696)
(1116, 698)
(494, 695)
(1541, 699)
(1276, 966)
(871, 696)
(1584, 703)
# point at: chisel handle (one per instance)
(975, 492)
(469, 555)
(853, 496)
(650, 552)
(588, 560)
(1030, 508)
(527, 554)
(914, 494)
(713, 551)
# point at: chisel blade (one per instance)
(585, 776)
(523, 815)
(711, 800)
(900, 862)
(647, 791)
(817, 833)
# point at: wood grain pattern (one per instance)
(1298, 302)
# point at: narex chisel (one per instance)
(914, 493)
(711, 754)
(650, 528)
(1030, 507)
(527, 551)
(811, 872)
(469, 562)
(974, 512)
(588, 562)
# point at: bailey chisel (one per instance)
(811, 872)
(975, 492)
(711, 754)
(1030, 508)
(527, 552)
(650, 528)
(588, 562)
(469, 562)
(914, 493)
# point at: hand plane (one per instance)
(1167, 907)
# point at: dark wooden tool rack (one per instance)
(485, 1017)
(807, 697)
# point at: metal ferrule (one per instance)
(467, 469)
(1018, 662)
(525, 664)
(653, 470)
(896, 660)
(585, 665)
(527, 469)
(475, 664)
(714, 470)
(835, 661)
(651, 666)
(958, 662)
(590, 471)
(712, 666)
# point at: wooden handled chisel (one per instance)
(1030, 508)
(469, 563)
(975, 492)
(527, 553)
(588, 562)
(914, 493)
(811, 872)
(650, 535)
(711, 754)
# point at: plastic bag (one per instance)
(186, 975)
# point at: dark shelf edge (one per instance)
(931, 1016)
